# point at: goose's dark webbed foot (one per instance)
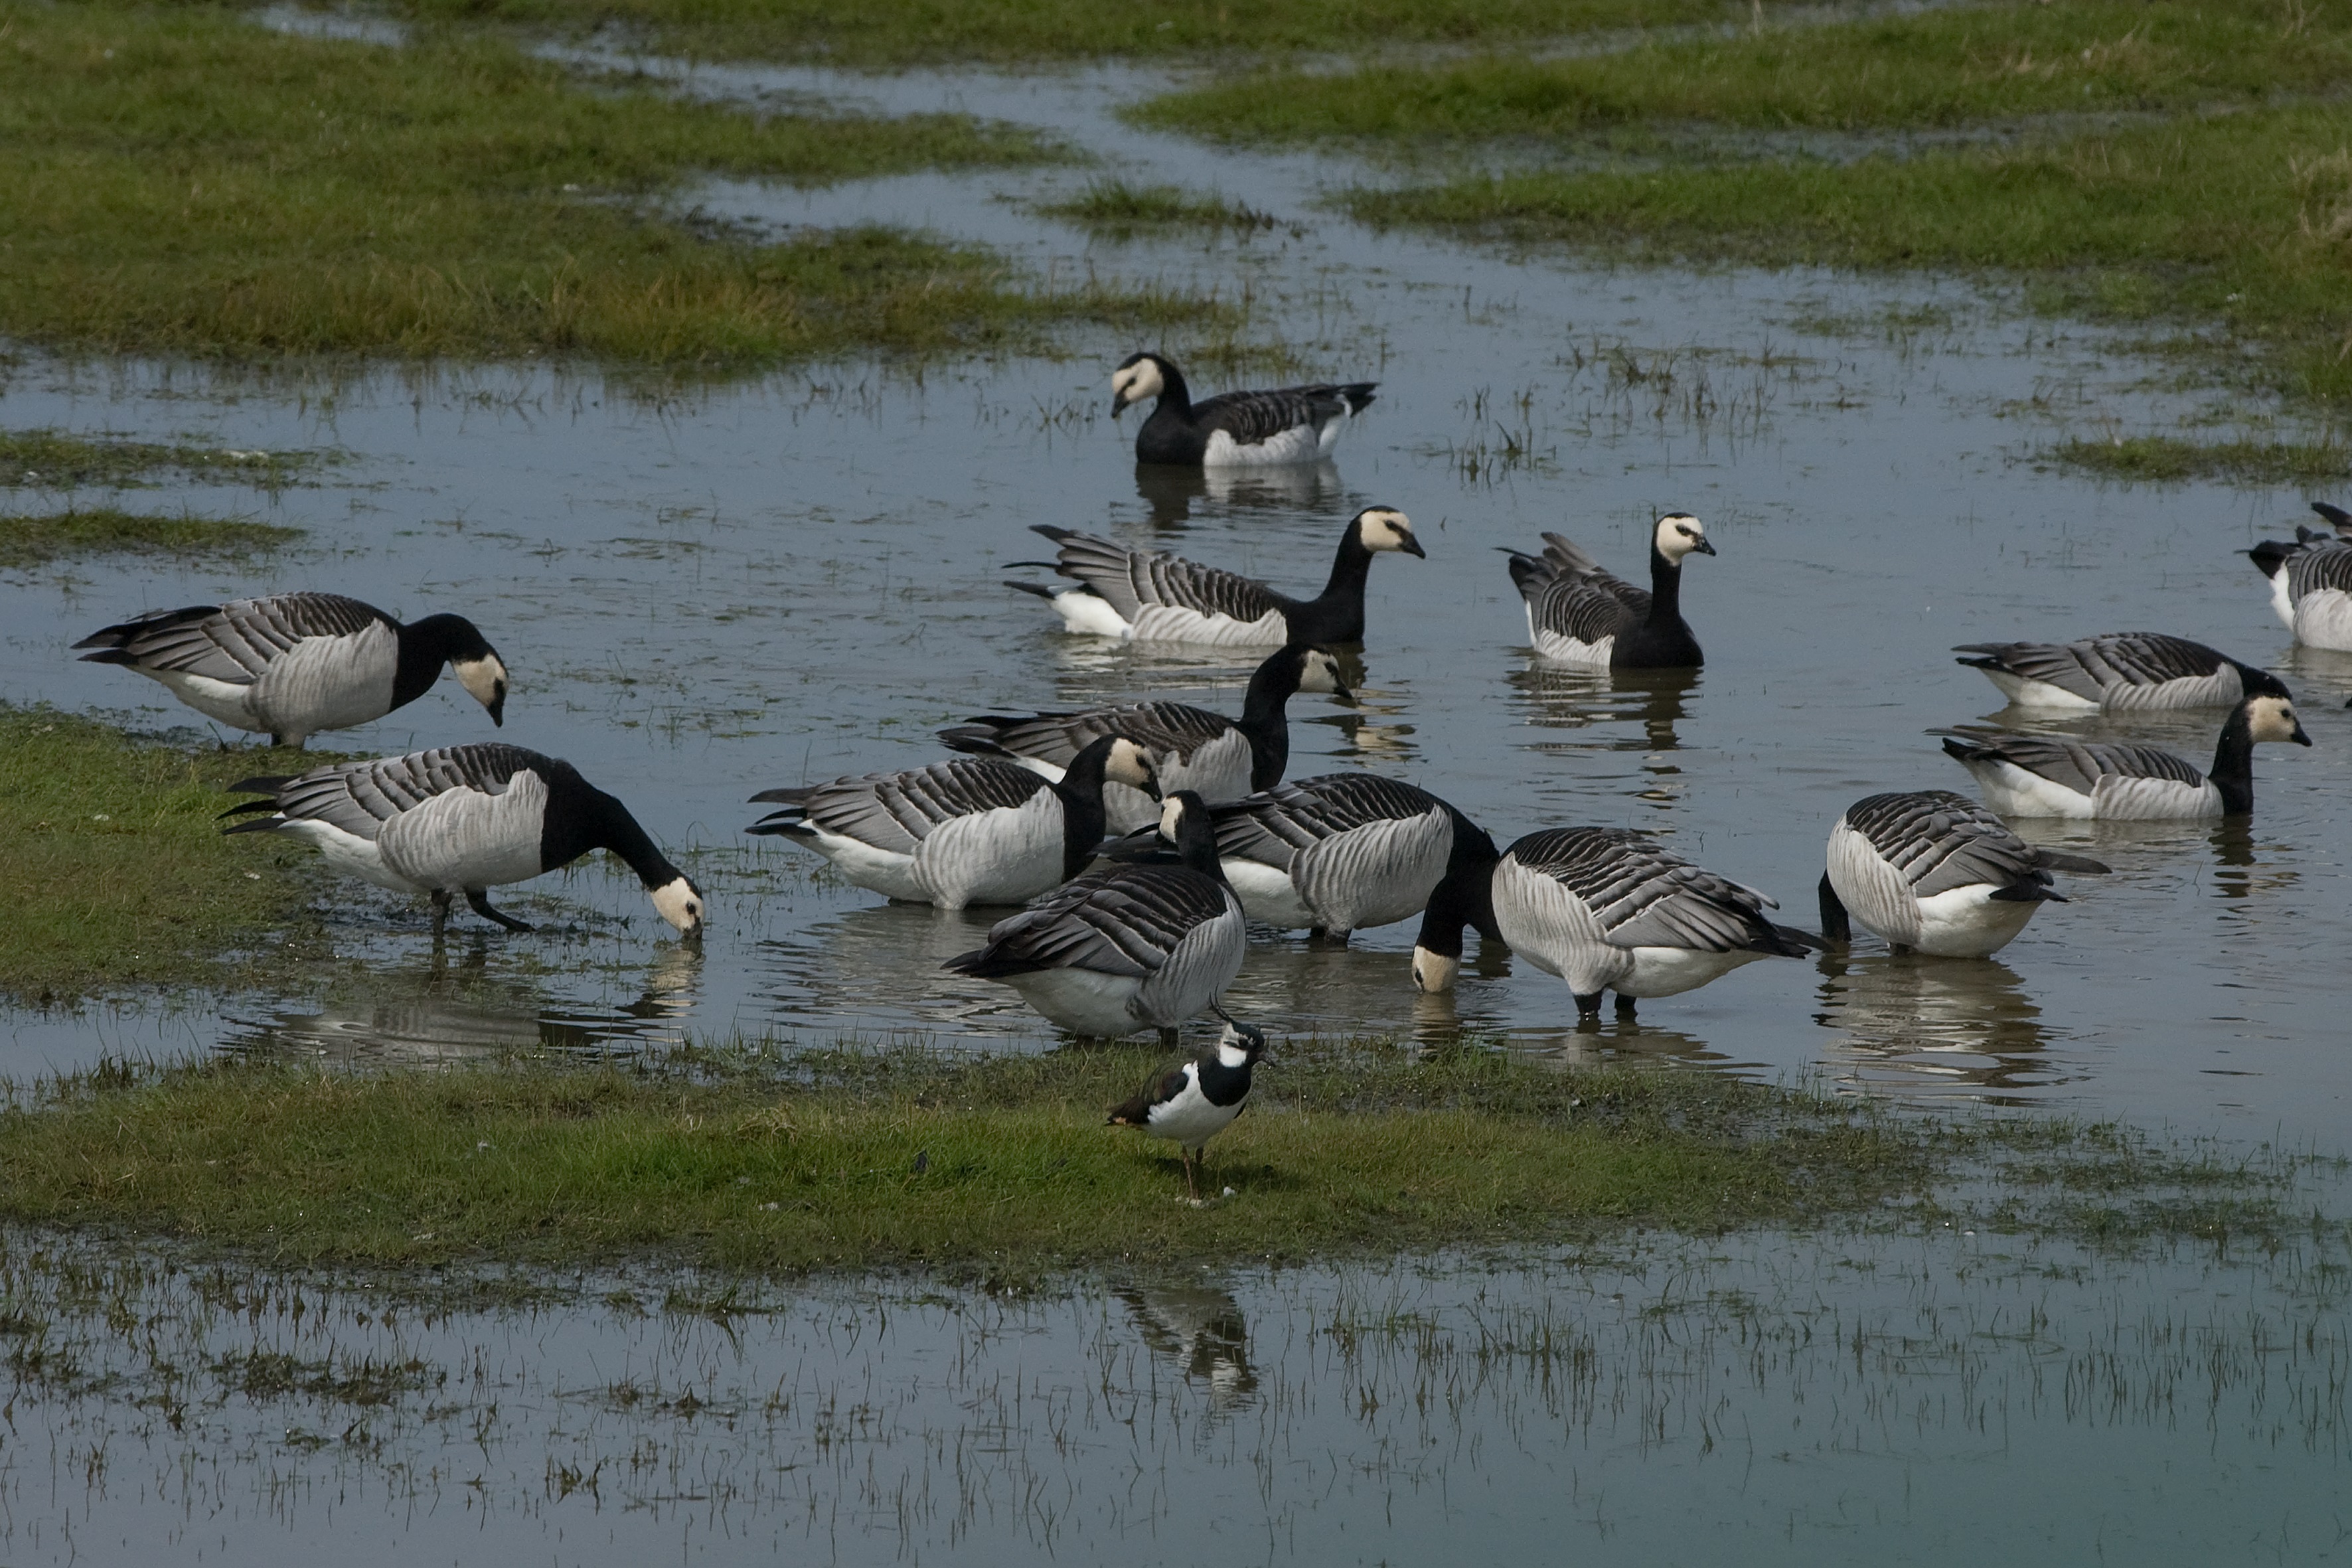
(479, 902)
(1624, 1006)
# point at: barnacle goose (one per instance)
(294, 664)
(2311, 580)
(2045, 776)
(463, 819)
(1125, 947)
(1605, 910)
(1192, 1102)
(1343, 851)
(1217, 758)
(1143, 596)
(2120, 672)
(1579, 614)
(1289, 424)
(968, 831)
(1934, 872)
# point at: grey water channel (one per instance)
(706, 591)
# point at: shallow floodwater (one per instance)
(703, 594)
(1951, 1399)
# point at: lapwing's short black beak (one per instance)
(1703, 548)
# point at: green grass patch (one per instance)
(180, 180)
(113, 868)
(1945, 66)
(53, 459)
(1116, 207)
(2169, 459)
(108, 530)
(908, 32)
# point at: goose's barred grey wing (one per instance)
(1938, 841)
(1643, 895)
(232, 642)
(895, 812)
(361, 798)
(2077, 764)
(1249, 416)
(2326, 565)
(1124, 921)
(2087, 668)
(1135, 580)
(1272, 824)
(1158, 727)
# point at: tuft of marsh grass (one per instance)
(182, 182)
(110, 531)
(54, 459)
(113, 866)
(2169, 459)
(1114, 206)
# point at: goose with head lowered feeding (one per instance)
(2048, 775)
(1126, 947)
(294, 664)
(968, 831)
(1579, 614)
(1931, 871)
(1192, 1102)
(1342, 852)
(2311, 580)
(1217, 758)
(464, 820)
(2122, 673)
(1288, 424)
(1142, 595)
(1606, 909)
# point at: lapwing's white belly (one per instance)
(1191, 1119)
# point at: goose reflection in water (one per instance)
(441, 1014)
(880, 967)
(1967, 1022)
(1308, 490)
(1200, 1329)
(1558, 697)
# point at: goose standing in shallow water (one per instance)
(464, 820)
(2311, 580)
(1605, 910)
(1579, 614)
(1217, 758)
(1142, 595)
(294, 664)
(1288, 424)
(1934, 872)
(970, 831)
(1125, 947)
(1343, 852)
(2043, 775)
(2122, 673)
(1193, 1103)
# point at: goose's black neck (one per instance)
(581, 817)
(1836, 925)
(1175, 398)
(1665, 589)
(1464, 897)
(1266, 717)
(2233, 764)
(425, 645)
(1081, 791)
(1337, 613)
(1196, 840)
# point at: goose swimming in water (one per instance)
(2122, 673)
(1579, 614)
(1217, 758)
(2045, 776)
(1143, 596)
(1288, 424)
(1934, 872)
(2311, 580)
(1605, 910)
(294, 664)
(463, 819)
(1192, 1102)
(1126, 947)
(970, 831)
(1343, 852)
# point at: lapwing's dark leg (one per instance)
(480, 902)
(1191, 1182)
(1624, 1006)
(440, 913)
(1588, 1006)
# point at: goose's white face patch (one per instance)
(1134, 383)
(1320, 673)
(1434, 972)
(2272, 718)
(1129, 764)
(1385, 528)
(484, 680)
(1679, 533)
(680, 903)
(1170, 815)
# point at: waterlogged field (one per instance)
(244, 1305)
